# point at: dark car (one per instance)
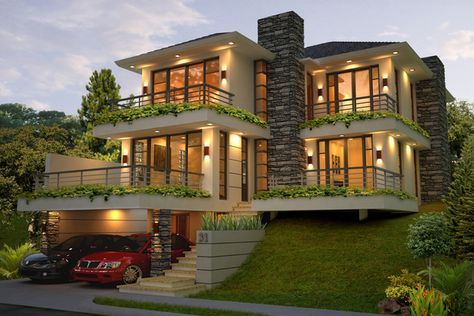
(129, 261)
(58, 263)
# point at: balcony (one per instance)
(134, 175)
(200, 93)
(374, 103)
(360, 177)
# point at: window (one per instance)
(261, 89)
(261, 165)
(223, 166)
(244, 162)
(412, 96)
(185, 83)
(353, 90)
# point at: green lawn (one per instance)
(324, 260)
(168, 307)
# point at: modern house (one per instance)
(232, 117)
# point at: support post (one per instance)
(49, 230)
(161, 242)
(363, 215)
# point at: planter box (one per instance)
(220, 253)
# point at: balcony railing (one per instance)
(374, 103)
(360, 177)
(134, 175)
(200, 93)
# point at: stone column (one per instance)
(435, 164)
(161, 242)
(49, 230)
(283, 34)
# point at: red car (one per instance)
(127, 262)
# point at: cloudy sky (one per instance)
(49, 48)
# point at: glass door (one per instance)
(177, 83)
(140, 153)
(178, 161)
(159, 160)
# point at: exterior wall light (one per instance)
(385, 82)
(320, 92)
(206, 151)
(125, 159)
(378, 154)
(412, 69)
(223, 74)
(177, 55)
(310, 160)
(145, 89)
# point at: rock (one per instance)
(389, 306)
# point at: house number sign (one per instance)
(202, 237)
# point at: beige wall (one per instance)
(120, 222)
(234, 168)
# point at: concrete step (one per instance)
(187, 260)
(243, 205)
(167, 282)
(190, 254)
(183, 267)
(161, 291)
(180, 273)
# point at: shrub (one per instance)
(424, 302)
(10, 259)
(401, 285)
(457, 284)
(230, 222)
(429, 236)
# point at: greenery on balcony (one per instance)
(95, 190)
(134, 113)
(348, 117)
(314, 191)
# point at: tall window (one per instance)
(261, 165)
(223, 166)
(261, 89)
(245, 167)
(353, 90)
(184, 83)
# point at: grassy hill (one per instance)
(324, 260)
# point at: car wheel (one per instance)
(131, 274)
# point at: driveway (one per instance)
(77, 297)
(16, 310)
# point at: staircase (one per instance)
(180, 280)
(243, 208)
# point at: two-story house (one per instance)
(229, 116)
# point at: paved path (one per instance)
(77, 297)
(16, 310)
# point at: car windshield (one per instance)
(71, 244)
(129, 243)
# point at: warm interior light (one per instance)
(206, 151)
(378, 154)
(395, 53)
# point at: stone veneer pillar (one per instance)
(435, 164)
(161, 242)
(283, 34)
(49, 230)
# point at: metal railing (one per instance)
(133, 175)
(360, 177)
(374, 103)
(200, 93)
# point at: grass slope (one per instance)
(324, 260)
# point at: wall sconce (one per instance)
(378, 154)
(206, 151)
(125, 159)
(385, 82)
(310, 160)
(145, 89)
(320, 92)
(224, 74)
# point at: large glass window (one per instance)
(261, 165)
(245, 166)
(353, 90)
(261, 89)
(223, 166)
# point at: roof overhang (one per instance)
(406, 59)
(188, 50)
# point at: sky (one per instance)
(49, 48)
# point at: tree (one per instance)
(460, 203)
(429, 236)
(15, 115)
(100, 90)
(461, 125)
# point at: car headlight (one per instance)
(109, 265)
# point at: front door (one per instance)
(182, 224)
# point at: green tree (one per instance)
(460, 125)
(460, 203)
(15, 115)
(100, 90)
(429, 236)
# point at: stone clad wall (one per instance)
(435, 166)
(283, 34)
